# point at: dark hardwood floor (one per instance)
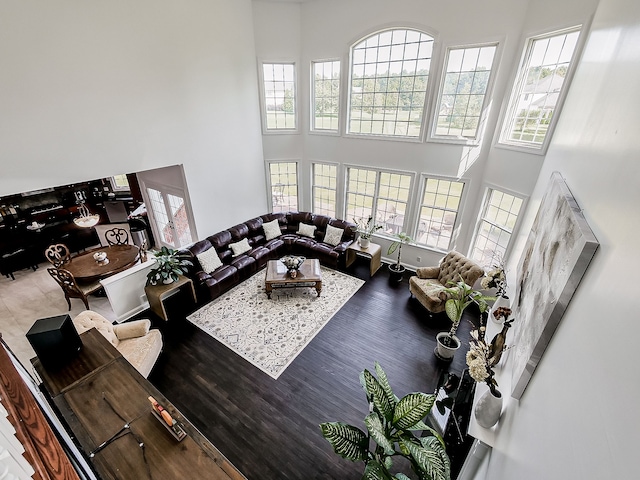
(269, 428)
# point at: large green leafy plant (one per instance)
(393, 430)
(170, 264)
(461, 296)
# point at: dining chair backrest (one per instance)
(58, 254)
(114, 234)
(117, 236)
(71, 288)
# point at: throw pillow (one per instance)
(333, 235)
(271, 229)
(240, 247)
(306, 230)
(209, 260)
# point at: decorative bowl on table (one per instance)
(100, 256)
(292, 262)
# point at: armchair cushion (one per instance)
(428, 272)
(137, 328)
(139, 345)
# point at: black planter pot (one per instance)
(396, 272)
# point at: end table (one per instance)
(157, 294)
(372, 252)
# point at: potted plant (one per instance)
(396, 271)
(365, 229)
(170, 264)
(397, 430)
(461, 296)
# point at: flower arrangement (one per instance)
(366, 228)
(479, 360)
(483, 356)
(497, 279)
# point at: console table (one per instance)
(99, 392)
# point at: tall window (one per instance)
(464, 87)
(324, 189)
(325, 95)
(283, 180)
(389, 75)
(438, 212)
(498, 219)
(279, 106)
(383, 195)
(538, 89)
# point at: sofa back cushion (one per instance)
(294, 219)
(455, 265)
(220, 241)
(239, 232)
(89, 319)
(348, 227)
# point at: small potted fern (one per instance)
(170, 264)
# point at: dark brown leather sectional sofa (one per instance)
(236, 269)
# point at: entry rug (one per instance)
(271, 333)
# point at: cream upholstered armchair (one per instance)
(134, 340)
(427, 284)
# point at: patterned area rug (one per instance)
(271, 333)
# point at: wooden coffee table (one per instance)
(308, 276)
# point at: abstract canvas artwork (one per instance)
(556, 256)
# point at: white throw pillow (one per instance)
(240, 247)
(306, 230)
(333, 235)
(271, 229)
(209, 260)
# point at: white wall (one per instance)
(578, 417)
(92, 89)
(327, 30)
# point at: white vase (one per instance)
(363, 242)
(442, 351)
(500, 302)
(488, 409)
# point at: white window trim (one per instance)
(514, 233)
(312, 130)
(429, 94)
(268, 179)
(517, 79)
(408, 214)
(339, 185)
(418, 207)
(486, 105)
(116, 188)
(263, 112)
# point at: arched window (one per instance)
(388, 84)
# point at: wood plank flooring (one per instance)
(269, 428)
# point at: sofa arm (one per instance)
(428, 272)
(137, 328)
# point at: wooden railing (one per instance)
(42, 450)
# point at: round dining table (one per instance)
(85, 268)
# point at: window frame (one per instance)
(347, 86)
(312, 99)
(114, 183)
(268, 164)
(263, 103)
(459, 214)
(485, 110)
(376, 195)
(488, 189)
(517, 84)
(313, 186)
